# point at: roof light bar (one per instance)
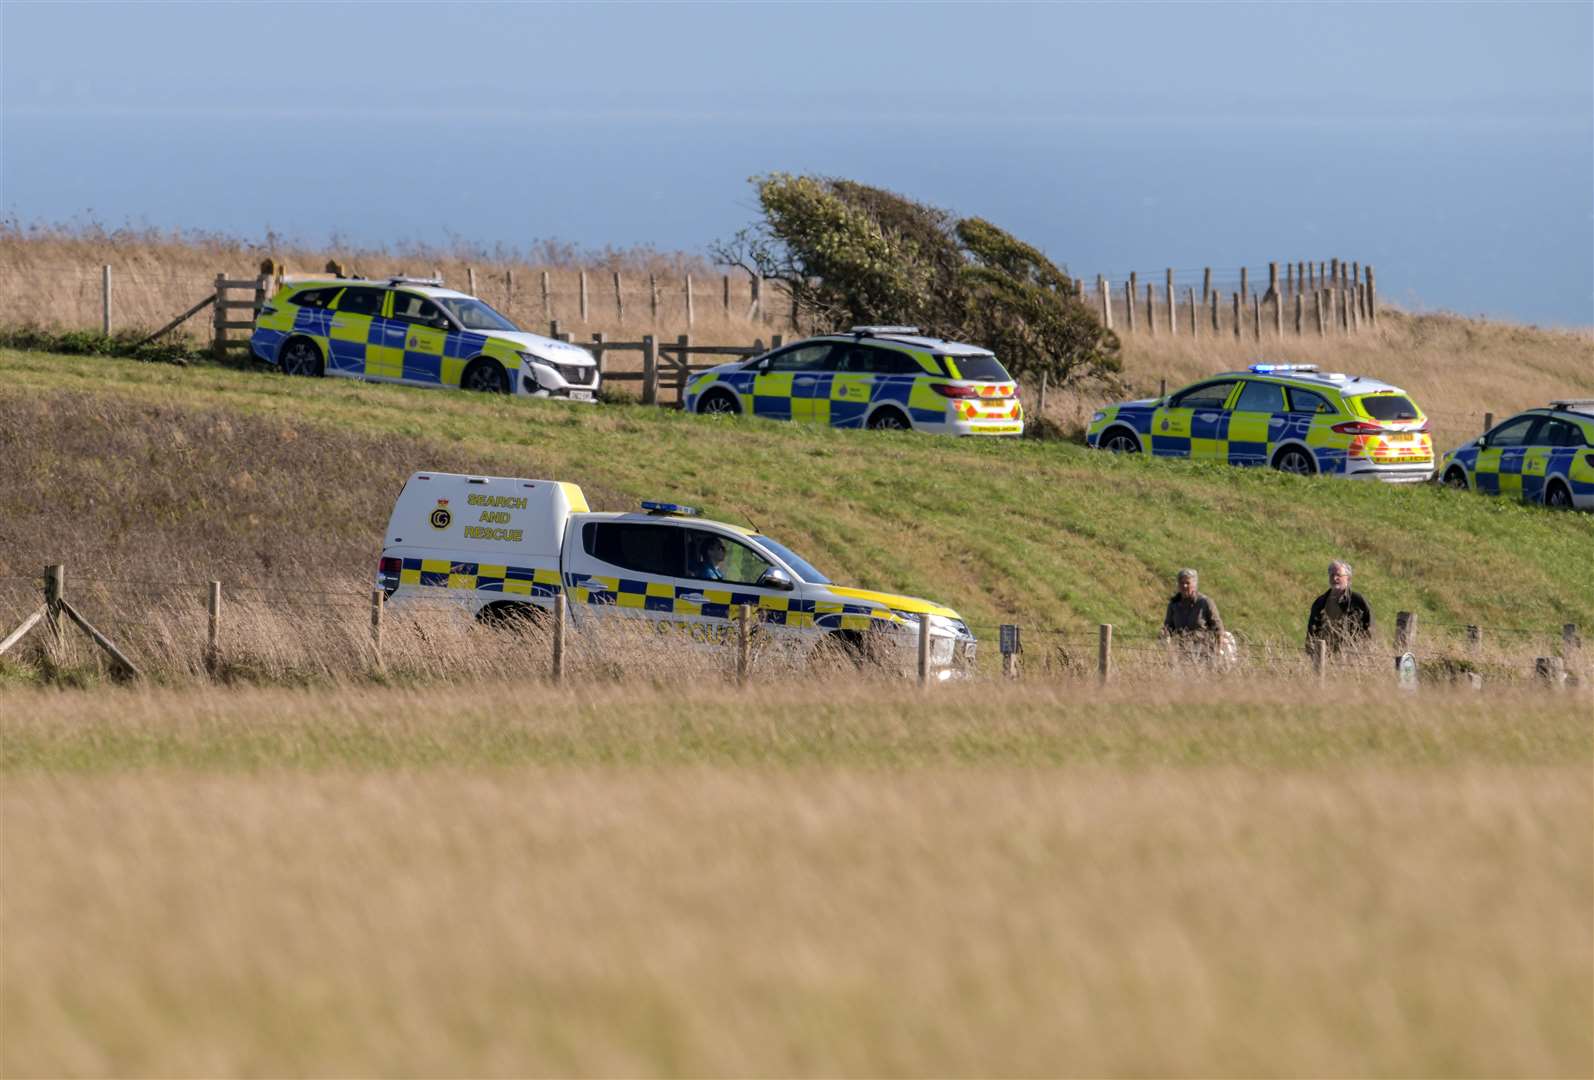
(400, 279)
(1268, 369)
(874, 330)
(670, 508)
(1571, 404)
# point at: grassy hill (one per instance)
(147, 473)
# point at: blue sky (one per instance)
(1452, 145)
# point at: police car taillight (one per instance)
(390, 566)
(1359, 427)
(948, 390)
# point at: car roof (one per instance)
(1321, 380)
(423, 288)
(913, 340)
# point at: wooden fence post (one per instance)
(755, 298)
(105, 299)
(600, 350)
(1300, 278)
(1151, 309)
(1214, 298)
(1289, 279)
(1103, 653)
(1372, 297)
(1317, 295)
(1256, 316)
(619, 299)
(1104, 292)
(558, 668)
(1130, 288)
(653, 298)
(582, 276)
(54, 589)
(1245, 281)
(1278, 314)
(1300, 310)
(924, 650)
(725, 294)
(1237, 319)
(650, 370)
(218, 344)
(1173, 322)
(213, 639)
(1551, 670)
(1474, 639)
(688, 299)
(1272, 280)
(553, 329)
(1041, 407)
(378, 605)
(1189, 296)
(1320, 659)
(1206, 283)
(1571, 645)
(683, 356)
(744, 643)
(1405, 631)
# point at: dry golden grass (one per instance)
(518, 881)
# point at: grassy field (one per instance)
(148, 475)
(690, 881)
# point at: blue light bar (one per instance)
(670, 508)
(1268, 369)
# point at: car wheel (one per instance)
(1294, 460)
(718, 403)
(517, 617)
(300, 356)
(486, 376)
(1557, 496)
(1120, 441)
(889, 420)
(1456, 478)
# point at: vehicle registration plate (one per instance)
(581, 395)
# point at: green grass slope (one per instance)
(148, 473)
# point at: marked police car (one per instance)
(1542, 456)
(495, 544)
(414, 331)
(871, 377)
(1289, 416)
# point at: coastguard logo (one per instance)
(441, 517)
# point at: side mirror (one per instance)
(1482, 440)
(775, 578)
(438, 324)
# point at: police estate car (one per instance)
(496, 544)
(874, 377)
(414, 331)
(1542, 455)
(1289, 416)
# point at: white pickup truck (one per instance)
(494, 543)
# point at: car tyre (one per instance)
(486, 376)
(301, 356)
(1456, 478)
(513, 616)
(1295, 461)
(1119, 441)
(889, 420)
(719, 403)
(1557, 496)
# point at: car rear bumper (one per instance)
(1390, 474)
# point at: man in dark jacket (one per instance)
(1340, 618)
(1191, 616)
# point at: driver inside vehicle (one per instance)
(708, 559)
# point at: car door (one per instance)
(349, 334)
(424, 337)
(858, 368)
(1258, 412)
(810, 372)
(1194, 422)
(772, 385)
(1549, 454)
(1499, 467)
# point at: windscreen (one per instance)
(982, 367)
(1389, 407)
(795, 561)
(472, 314)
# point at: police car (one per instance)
(1292, 417)
(1542, 456)
(503, 547)
(414, 331)
(871, 377)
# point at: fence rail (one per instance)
(1551, 656)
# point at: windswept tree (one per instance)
(851, 253)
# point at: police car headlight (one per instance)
(532, 358)
(1098, 418)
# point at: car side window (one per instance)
(1558, 433)
(800, 358)
(314, 298)
(1262, 397)
(1206, 396)
(409, 308)
(1304, 401)
(1517, 432)
(641, 547)
(712, 556)
(360, 301)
